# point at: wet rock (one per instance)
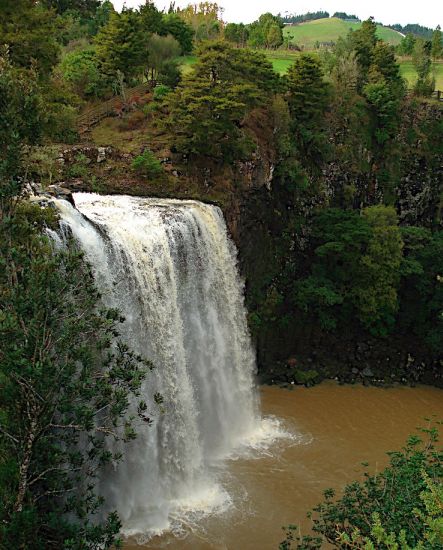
(61, 193)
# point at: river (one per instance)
(334, 429)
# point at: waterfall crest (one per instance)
(170, 268)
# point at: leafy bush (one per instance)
(161, 91)
(147, 165)
(81, 70)
(80, 167)
(169, 73)
(402, 503)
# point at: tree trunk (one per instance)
(24, 466)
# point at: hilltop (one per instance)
(330, 29)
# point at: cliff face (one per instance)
(260, 205)
(288, 352)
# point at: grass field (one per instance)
(282, 60)
(408, 72)
(329, 30)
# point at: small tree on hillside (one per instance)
(161, 50)
(308, 97)
(423, 65)
(437, 45)
(121, 46)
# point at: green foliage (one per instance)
(407, 44)
(169, 73)
(308, 96)
(421, 59)
(180, 30)
(120, 46)
(421, 288)
(397, 508)
(81, 70)
(237, 33)
(376, 294)
(355, 271)
(208, 108)
(162, 49)
(363, 42)
(437, 43)
(28, 29)
(161, 91)
(204, 18)
(147, 165)
(42, 165)
(266, 32)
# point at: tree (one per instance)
(81, 70)
(437, 44)
(237, 33)
(28, 29)
(423, 65)
(266, 32)
(121, 46)
(406, 46)
(356, 266)
(161, 50)
(84, 7)
(208, 109)
(151, 20)
(308, 96)
(375, 294)
(363, 41)
(180, 30)
(204, 18)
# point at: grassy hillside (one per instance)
(329, 30)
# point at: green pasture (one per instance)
(307, 34)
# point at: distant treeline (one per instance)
(346, 16)
(305, 17)
(413, 28)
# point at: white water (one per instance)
(170, 268)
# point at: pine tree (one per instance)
(121, 46)
(437, 45)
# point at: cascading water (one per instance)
(170, 268)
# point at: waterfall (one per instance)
(170, 268)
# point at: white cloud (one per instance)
(425, 12)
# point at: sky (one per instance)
(425, 12)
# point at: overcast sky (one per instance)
(424, 12)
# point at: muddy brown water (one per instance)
(335, 428)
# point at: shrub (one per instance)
(169, 73)
(79, 169)
(81, 70)
(402, 503)
(161, 91)
(147, 165)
